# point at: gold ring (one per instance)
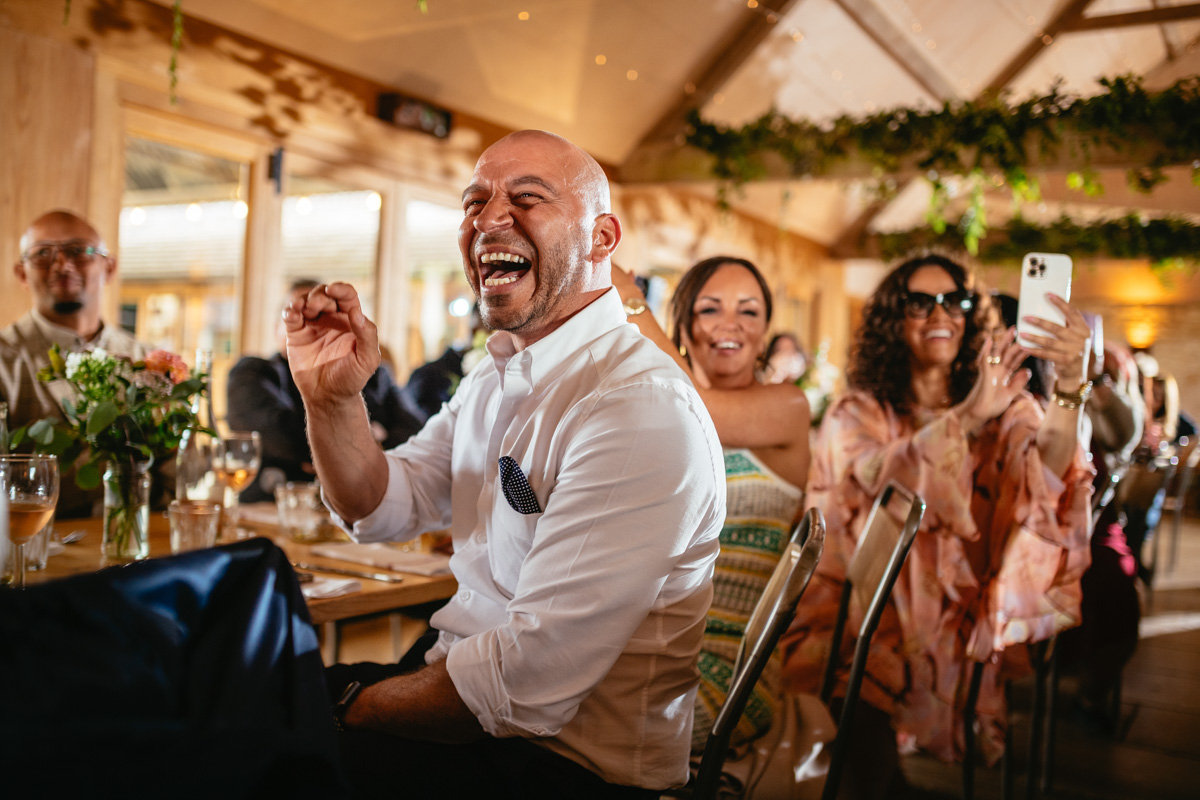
(993, 359)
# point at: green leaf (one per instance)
(101, 417)
(42, 432)
(17, 437)
(87, 476)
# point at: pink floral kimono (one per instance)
(996, 563)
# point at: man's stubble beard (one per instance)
(555, 279)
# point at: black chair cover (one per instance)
(197, 675)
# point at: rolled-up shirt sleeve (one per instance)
(620, 536)
(418, 492)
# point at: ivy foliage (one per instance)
(1169, 242)
(972, 140)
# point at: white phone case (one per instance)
(1042, 273)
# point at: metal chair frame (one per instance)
(866, 631)
(771, 618)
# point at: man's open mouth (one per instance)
(501, 269)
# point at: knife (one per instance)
(375, 576)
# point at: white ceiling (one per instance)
(817, 59)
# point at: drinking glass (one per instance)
(29, 484)
(237, 458)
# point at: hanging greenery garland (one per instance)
(975, 139)
(1168, 242)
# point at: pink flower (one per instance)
(167, 363)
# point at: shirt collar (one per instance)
(600, 316)
(66, 338)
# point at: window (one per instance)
(181, 249)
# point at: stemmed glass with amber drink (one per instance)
(236, 459)
(30, 486)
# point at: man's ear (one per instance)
(19, 271)
(606, 235)
(110, 268)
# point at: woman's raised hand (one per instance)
(332, 348)
(1066, 346)
(627, 287)
(1000, 380)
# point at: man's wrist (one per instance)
(342, 706)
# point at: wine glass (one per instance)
(30, 486)
(237, 458)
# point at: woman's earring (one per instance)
(683, 350)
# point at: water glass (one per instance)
(194, 524)
(300, 510)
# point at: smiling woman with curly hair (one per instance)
(880, 364)
(937, 404)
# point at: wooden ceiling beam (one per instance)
(1130, 19)
(898, 46)
(1070, 13)
(718, 69)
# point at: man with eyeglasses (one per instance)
(65, 265)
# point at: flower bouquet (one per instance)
(124, 414)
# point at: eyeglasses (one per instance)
(918, 305)
(43, 256)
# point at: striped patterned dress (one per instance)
(760, 509)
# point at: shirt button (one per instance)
(464, 595)
(481, 538)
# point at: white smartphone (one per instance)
(1042, 273)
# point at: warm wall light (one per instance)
(1140, 334)
(1141, 326)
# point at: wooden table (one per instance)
(376, 596)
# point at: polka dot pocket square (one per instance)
(516, 488)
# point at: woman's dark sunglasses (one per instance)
(918, 305)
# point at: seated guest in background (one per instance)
(431, 384)
(581, 478)
(262, 396)
(936, 403)
(784, 360)
(1102, 645)
(1166, 430)
(721, 309)
(65, 265)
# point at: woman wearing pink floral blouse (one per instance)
(937, 403)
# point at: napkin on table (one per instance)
(330, 587)
(381, 555)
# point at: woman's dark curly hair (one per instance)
(880, 360)
(684, 300)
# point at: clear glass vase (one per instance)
(126, 511)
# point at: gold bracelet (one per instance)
(1072, 400)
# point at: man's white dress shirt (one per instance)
(579, 625)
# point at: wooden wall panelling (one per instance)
(46, 92)
(106, 179)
